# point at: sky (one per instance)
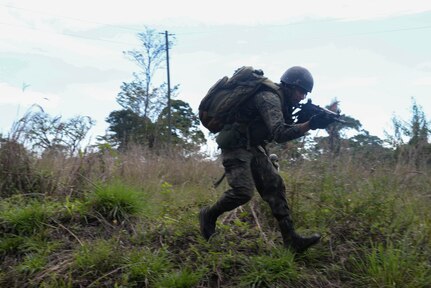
(67, 56)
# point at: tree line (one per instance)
(143, 120)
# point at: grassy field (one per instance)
(130, 220)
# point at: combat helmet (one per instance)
(298, 76)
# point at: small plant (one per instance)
(117, 201)
(389, 266)
(98, 256)
(25, 218)
(10, 244)
(33, 262)
(182, 279)
(267, 270)
(145, 266)
(73, 207)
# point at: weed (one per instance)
(146, 267)
(32, 263)
(11, 244)
(181, 279)
(117, 201)
(98, 256)
(25, 218)
(390, 266)
(270, 270)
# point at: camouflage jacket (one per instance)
(262, 119)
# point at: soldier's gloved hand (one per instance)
(320, 121)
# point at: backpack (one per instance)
(225, 97)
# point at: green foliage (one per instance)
(56, 281)
(146, 266)
(117, 201)
(25, 245)
(185, 126)
(390, 266)
(275, 270)
(143, 119)
(25, 217)
(128, 127)
(184, 278)
(10, 244)
(98, 256)
(71, 208)
(411, 139)
(32, 263)
(376, 227)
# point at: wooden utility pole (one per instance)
(169, 88)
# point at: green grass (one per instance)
(391, 266)
(276, 269)
(122, 233)
(100, 255)
(25, 217)
(146, 266)
(117, 201)
(184, 278)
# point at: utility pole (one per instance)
(169, 88)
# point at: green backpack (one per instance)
(224, 98)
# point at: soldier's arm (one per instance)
(269, 107)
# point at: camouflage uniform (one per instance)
(266, 117)
(248, 166)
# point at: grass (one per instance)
(25, 217)
(391, 266)
(116, 201)
(276, 269)
(131, 221)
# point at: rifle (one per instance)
(308, 110)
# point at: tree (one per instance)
(140, 100)
(185, 126)
(140, 95)
(144, 113)
(128, 127)
(333, 142)
(369, 148)
(46, 132)
(410, 139)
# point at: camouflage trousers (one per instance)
(245, 170)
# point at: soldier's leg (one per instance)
(238, 174)
(271, 187)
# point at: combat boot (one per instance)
(207, 222)
(293, 241)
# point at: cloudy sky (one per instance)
(67, 56)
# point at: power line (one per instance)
(387, 31)
(218, 29)
(208, 31)
(68, 34)
(71, 18)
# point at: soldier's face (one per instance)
(298, 95)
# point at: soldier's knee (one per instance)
(244, 195)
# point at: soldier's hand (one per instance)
(320, 121)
